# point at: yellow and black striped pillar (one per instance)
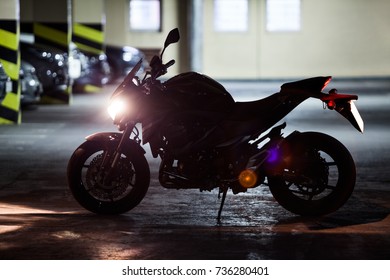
(57, 35)
(10, 58)
(89, 38)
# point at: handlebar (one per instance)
(158, 68)
(169, 63)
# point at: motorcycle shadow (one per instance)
(356, 212)
(83, 235)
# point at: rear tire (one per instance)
(124, 193)
(318, 178)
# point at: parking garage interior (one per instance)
(251, 47)
(251, 40)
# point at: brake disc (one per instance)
(117, 188)
(316, 174)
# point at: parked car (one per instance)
(51, 66)
(123, 59)
(5, 83)
(31, 87)
(95, 72)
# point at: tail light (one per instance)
(327, 82)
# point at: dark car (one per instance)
(51, 66)
(123, 59)
(5, 83)
(95, 72)
(31, 87)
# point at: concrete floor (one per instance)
(39, 219)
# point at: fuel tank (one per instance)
(193, 91)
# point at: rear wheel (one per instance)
(317, 177)
(90, 186)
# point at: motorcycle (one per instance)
(207, 140)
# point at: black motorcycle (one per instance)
(206, 140)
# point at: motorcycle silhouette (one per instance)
(206, 140)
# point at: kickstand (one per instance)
(222, 202)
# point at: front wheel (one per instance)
(317, 177)
(89, 183)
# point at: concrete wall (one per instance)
(89, 11)
(232, 54)
(48, 11)
(118, 31)
(346, 38)
(343, 38)
(9, 9)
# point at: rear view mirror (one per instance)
(173, 37)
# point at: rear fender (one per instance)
(280, 152)
(344, 104)
(349, 111)
(115, 137)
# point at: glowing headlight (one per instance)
(117, 107)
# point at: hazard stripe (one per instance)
(10, 100)
(91, 88)
(9, 25)
(52, 34)
(27, 27)
(9, 39)
(56, 35)
(8, 116)
(92, 32)
(85, 43)
(88, 37)
(11, 67)
(10, 59)
(58, 97)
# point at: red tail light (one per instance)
(331, 104)
(327, 82)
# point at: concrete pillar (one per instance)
(50, 23)
(88, 35)
(10, 59)
(190, 19)
(196, 37)
(88, 26)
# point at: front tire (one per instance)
(317, 178)
(86, 178)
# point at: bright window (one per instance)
(283, 15)
(231, 15)
(145, 15)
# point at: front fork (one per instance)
(108, 166)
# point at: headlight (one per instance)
(116, 108)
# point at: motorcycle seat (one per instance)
(243, 111)
(312, 84)
(290, 94)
